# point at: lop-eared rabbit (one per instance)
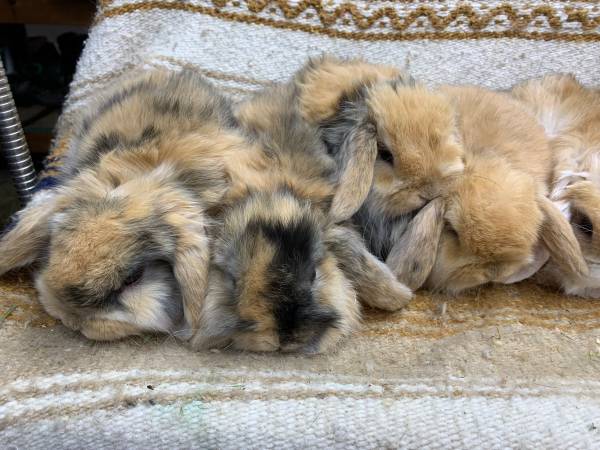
(121, 246)
(288, 272)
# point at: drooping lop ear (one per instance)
(108, 330)
(23, 243)
(325, 81)
(412, 257)
(332, 95)
(219, 321)
(540, 257)
(356, 162)
(373, 281)
(191, 260)
(558, 237)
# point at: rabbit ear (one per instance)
(356, 162)
(412, 257)
(191, 263)
(375, 284)
(540, 257)
(558, 237)
(323, 82)
(22, 244)
(108, 330)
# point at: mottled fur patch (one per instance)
(122, 244)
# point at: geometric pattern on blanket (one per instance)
(500, 367)
(243, 45)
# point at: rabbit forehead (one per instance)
(274, 264)
(418, 127)
(280, 206)
(411, 112)
(268, 252)
(495, 212)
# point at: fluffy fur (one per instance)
(481, 153)
(499, 226)
(407, 129)
(284, 276)
(122, 245)
(570, 115)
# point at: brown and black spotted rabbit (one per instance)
(286, 274)
(121, 246)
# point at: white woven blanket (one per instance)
(511, 367)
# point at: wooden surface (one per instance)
(49, 12)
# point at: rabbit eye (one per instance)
(583, 223)
(313, 276)
(384, 154)
(451, 230)
(134, 277)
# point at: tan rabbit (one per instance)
(499, 225)
(285, 276)
(122, 245)
(410, 132)
(570, 115)
(479, 154)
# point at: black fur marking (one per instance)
(583, 222)
(113, 101)
(149, 133)
(245, 325)
(293, 269)
(106, 142)
(167, 107)
(294, 243)
(415, 267)
(85, 298)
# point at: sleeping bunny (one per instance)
(570, 115)
(477, 159)
(287, 274)
(409, 131)
(121, 246)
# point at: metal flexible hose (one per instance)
(14, 146)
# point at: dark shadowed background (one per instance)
(40, 43)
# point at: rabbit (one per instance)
(570, 115)
(462, 150)
(499, 225)
(288, 272)
(121, 247)
(410, 132)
